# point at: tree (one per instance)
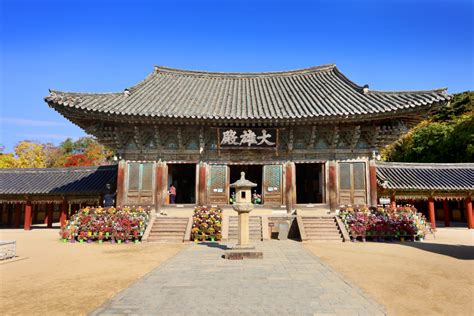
(447, 136)
(76, 160)
(7, 161)
(30, 155)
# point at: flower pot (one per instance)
(64, 240)
(101, 241)
(137, 241)
(402, 239)
(119, 241)
(81, 241)
(73, 241)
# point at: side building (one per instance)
(306, 137)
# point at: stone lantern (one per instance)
(243, 206)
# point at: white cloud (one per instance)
(28, 122)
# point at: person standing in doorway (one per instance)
(109, 196)
(172, 193)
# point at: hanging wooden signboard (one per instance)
(247, 138)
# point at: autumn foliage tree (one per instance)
(85, 151)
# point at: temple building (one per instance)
(307, 137)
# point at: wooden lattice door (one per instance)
(352, 184)
(272, 184)
(140, 183)
(218, 184)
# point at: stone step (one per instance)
(166, 233)
(318, 226)
(326, 227)
(162, 222)
(166, 229)
(165, 240)
(321, 229)
(317, 221)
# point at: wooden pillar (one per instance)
(63, 212)
(469, 215)
(431, 212)
(121, 183)
(289, 186)
(202, 186)
(393, 203)
(161, 181)
(27, 225)
(373, 183)
(17, 211)
(447, 220)
(332, 185)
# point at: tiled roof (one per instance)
(74, 180)
(425, 176)
(318, 92)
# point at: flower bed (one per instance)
(106, 224)
(207, 224)
(380, 223)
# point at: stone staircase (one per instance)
(319, 228)
(255, 223)
(168, 229)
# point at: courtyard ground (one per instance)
(53, 278)
(423, 278)
(49, 277)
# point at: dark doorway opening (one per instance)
(253, 173)
(309, 183)
(183, 177)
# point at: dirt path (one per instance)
(53, 278)
(432, 277)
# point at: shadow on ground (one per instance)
(214, 245)
(462, 252)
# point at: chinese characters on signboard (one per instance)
(247, 137)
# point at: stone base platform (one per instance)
(243, 253)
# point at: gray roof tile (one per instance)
(73, 180)
(425, 176)
(306, 93)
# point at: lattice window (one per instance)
(359, 175)
(147, 177)
(345, 176)
(218, 177)
(272, 177)
(133, 176)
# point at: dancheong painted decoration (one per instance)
(306, 137)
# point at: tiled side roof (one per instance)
(78, 180)
(318, 92)
(417, 176)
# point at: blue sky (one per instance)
(102, 46)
